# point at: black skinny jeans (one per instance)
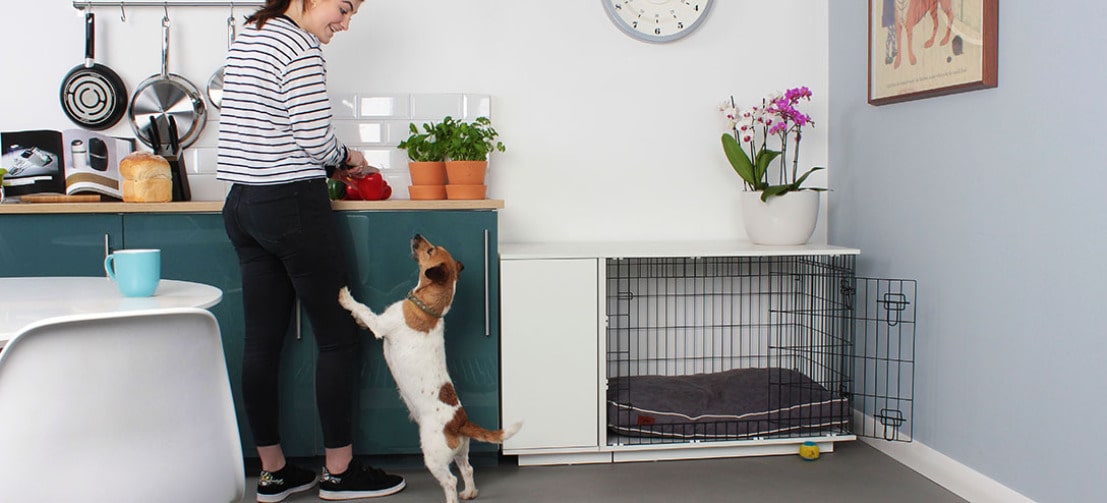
(288, 247)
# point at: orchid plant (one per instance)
(752, 129)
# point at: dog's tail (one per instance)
(477, 432)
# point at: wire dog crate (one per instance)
(703, 349)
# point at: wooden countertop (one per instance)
(13, 208)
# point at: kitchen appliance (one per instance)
(80, 154)
(92, 95)
(97, 154)
(165, 96)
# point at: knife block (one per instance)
(179, 172)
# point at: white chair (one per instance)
(131, 406)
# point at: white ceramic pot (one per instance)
(788, 219)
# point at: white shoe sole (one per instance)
(353, 495)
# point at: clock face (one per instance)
(657, 20)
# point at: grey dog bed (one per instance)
(731, 405)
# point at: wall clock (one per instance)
(657, 20)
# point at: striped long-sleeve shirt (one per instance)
(275, 123)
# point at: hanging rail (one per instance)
(81, 4)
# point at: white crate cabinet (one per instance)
(555, 324)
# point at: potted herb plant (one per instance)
(467, 149)
(426, 160)
(776, 208)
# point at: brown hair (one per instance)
(271, 9)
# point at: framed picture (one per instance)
(924, 48)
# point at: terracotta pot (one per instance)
(426, 192)
(470, 191)
(466, 172)
(427, 173)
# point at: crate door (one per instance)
(882, 323)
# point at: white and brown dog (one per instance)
(414, 347)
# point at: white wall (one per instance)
(994, 201)
(608, 138)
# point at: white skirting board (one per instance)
(948, 473)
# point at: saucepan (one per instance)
(215, 83)
(164, 95)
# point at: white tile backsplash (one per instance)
(384, 106)
(433, 107)
(204, 187)
(344, 106)
(201, 159)
(353, 132)
(380, 157)
(373, 123)
(477, 106)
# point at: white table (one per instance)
(26, 300)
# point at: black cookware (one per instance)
(92, 95)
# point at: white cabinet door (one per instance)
(549, 352)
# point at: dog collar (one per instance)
(425, 308)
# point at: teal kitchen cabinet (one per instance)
(195, 247)
(57, 245)
(383, 271)
(377, 246)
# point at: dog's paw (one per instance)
(345, 299)
(468, 494)
(354, 307)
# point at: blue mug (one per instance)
(135, 272)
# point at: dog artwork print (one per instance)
(413, 333)
(910, 13)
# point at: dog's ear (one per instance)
(460, 266)
(436, 274)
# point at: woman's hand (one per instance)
(357, 166)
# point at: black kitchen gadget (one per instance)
(167, 144)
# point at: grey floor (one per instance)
(854, 473)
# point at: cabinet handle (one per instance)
(299, 335)
(107, 251)
(487, 296)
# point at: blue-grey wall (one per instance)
(994, 200)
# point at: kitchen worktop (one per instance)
(12, 208)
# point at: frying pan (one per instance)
(164, 95)
(215, 83)
(92, 95)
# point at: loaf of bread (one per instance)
(146, 178)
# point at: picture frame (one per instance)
(926, 48)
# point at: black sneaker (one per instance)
(278, 485)
(359, 482)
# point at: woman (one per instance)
(275, 139)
